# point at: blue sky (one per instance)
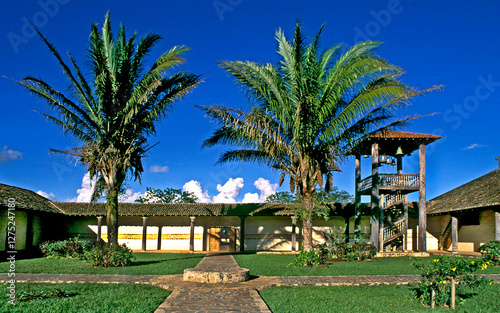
(453, 43)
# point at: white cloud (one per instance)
(48, 195)
(130, 196)
(158, 169)
(251, 198)
(84, 193)
(195, 187)
(475, 146)
(229, 191)
(266, 189)
(7, 155)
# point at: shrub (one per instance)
(311, 258)
(437, 275)
(491, 251)
(65, 249)
(102, 255)
(354, 251)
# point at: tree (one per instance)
(113, 113)
(308, 111)
(281, 197)
(167, 195)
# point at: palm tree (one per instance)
(114, 113)
(308, 111)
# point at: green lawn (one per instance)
(369, 299)
(276, 265)
(143, 264)
(106, 298)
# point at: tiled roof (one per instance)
(482, 192)
(392, 134)
(173, 209)
(389, 141)
(26, 199)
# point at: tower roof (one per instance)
(390, 140)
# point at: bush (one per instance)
(491, 251)
(65, 249)
(354, 251)
(438, 274)
(312, 258)
(102, 255)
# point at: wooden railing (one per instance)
(389, 200)
(391, 180)
(394, 231)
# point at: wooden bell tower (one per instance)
(389, 191)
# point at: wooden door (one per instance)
(214, 239)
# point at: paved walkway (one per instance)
(190, 297)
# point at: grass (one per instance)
(109, 298)
(143, 264)
(276, 265)
(369, 299)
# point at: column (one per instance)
(99, 229)
(381, 225)
(144, 232)
(497, 225)
(158, 243)
(357, 199)
(294, 233)
(374, 235)
(422, 209)
(405, 243)
(399, 165)
(242, 233)
(191, 233)
(454, 234)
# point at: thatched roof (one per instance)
(26, 199)
(482, 192)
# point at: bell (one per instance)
(382, 158)
(388, 161)
(366, 156)
(393, 162)
(399, 151)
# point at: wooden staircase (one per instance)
(395, 230)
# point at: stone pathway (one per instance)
(187, 297)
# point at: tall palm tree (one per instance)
(309, 110)
(113, 114)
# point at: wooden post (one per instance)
(158, 243)
(452, 293)
(454, 234)
(294, 233)
(99, 229)
(422, 209)
(497, 225)
(374, 235)
(399, 165)
(191, 234)
(405, 242)
(144, 232)
(381, 223)
(242, 233)
(357, 199)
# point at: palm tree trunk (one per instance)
(112, 217)
(307, 223)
